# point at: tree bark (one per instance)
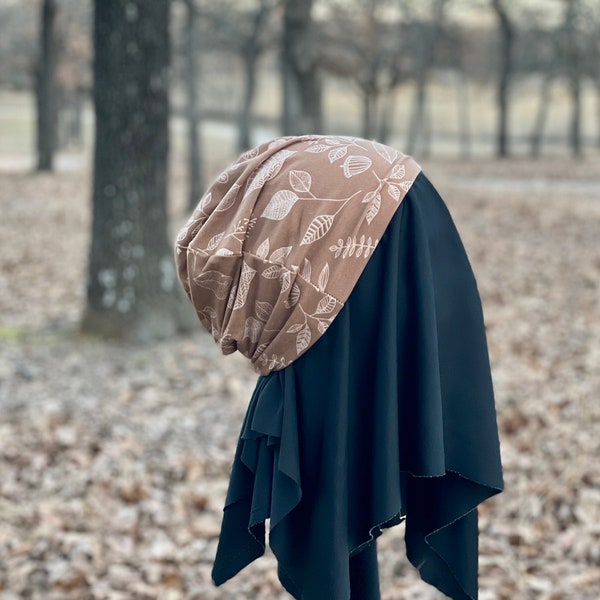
(131, 289)
(542, 115)
(302, 111)
(507, 36)
(195, 183)
(46, 92)
(574, 74)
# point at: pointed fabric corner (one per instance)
(389, 416)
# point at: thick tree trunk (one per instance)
(195, 183)
(541, 116)
(507, 35)
(302, 111)
(131, 289)
(424, 60)
(46, 92)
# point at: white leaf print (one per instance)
(326, 305)
(317, 148)
(322, 326)
(332, 142)
(373, 208)
(267, 170)
(387, 153)
(398, 172)
(369, 196)
(223, 177)
(228, 199)
(263, 250)
(294, 296)
(337, 153)
(206, 200)
(355, 165)
(360, 246)
(306, 272)
(214, 241)
(318, 227)
(324, 277)
(295, 328)
(231, 298)
(280, 205)
(303, 339)
(300, 181)
(285, 280)
(272, 272)
(246, 277)
(214, 281)
(224, 252)
(248, 154)
(280, 254)
(263, 310)
(393, 191)
(406, 185)
(252, 329)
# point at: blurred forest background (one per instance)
(118, 432)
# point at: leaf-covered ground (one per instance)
(114, 460)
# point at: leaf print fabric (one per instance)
(280, 238)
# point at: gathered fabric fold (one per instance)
(389, 416)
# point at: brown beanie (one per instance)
(279, 240)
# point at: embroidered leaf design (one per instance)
(324, 277)
(406, 185)
(280, 254)
(307, 271)
(322, 326)
(231, 298)
(326, 305)
(398, 172)
(272, 272)
(263, 250)
(280, 205)
(318, 227)
(300, 181)
(295, 328)
(303, 339)
(252, 329)
(294, 296)
(337, 153)
(355, 165)
(267, 170)
(285, 281)
(214, 281)
(228, 199)
(360, 247)
(373, 208)
(317, 148)
(387, 153)
(246, 276)
(394, 192)
(263, 310)
(223, 177)
(224, 252)
(369, 196)
(248, 154)
(215, 240)
(332, 142)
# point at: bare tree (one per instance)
(573, 67)
(131, 287)
(302, 112)
(507, 38)
(194, 154)
(46, 90)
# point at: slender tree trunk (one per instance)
(46, 91)
(302, 111)
(425, 52)
(542, 115)
(464, 111)
(387, 115)
(195, 183)
(369, 106)
(574, 74)
(131, 288)
(507, 36)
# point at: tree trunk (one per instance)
(369, 98)
(195, 183)
(425, 52)
(131, 288)
(574, 74)
(542, 115)
(301, 82)
(46, 91)
(387, 115)
(507, 36)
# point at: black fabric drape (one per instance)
(389, 416)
